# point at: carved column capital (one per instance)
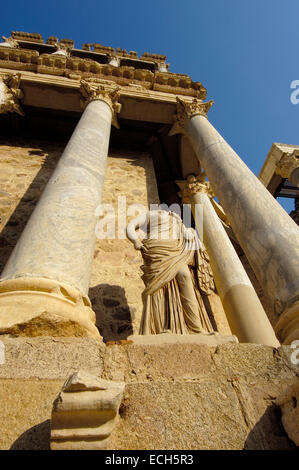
(100, 92)
(287, 164)
(9, 42)
(10, 94)
(185, 111)
(194, 185)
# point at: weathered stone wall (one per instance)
(177, 396)
(25, 168)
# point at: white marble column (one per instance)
(268, 236)
(245, 314)
(44, 285)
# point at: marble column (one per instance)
(44, 285)
(268, 236)
(245, 314)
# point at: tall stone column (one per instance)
(268, 236)
(246, 316)
(44, 285)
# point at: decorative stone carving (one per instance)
(287, 164)
(177, 273)
(85, 412)
(9, 42)
(104, 94)
(186, 110)
(113, 60)
(195, 185)
(62, 49)
(43, 307)
(289, 404)
(10, 94)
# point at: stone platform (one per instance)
(177, 395)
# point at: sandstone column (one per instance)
(268, 236)
(44, 285)
(246, 316)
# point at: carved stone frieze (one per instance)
(10, 94)
(186, 110)
(101, 92)
(287, 164)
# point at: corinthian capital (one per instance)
(287, 164)
(194, 185)
(10, 94)
(101, 92)
(185, 111)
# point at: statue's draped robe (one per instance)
(164, 307)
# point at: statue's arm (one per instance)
(133, 226)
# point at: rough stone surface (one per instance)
(289, 404)
(177, 396)
(50, 358)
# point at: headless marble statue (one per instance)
(176, 270)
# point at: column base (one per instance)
(45, 307)
(287, 327)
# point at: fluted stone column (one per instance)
(44, 285)
(268, 236)
(245, 314)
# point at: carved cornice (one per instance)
(287, 164)
(80, 67)
(10, 94)
(101, 92)
(186, 111)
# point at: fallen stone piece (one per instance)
(289, 404)
(84, 413)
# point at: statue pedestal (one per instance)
(210, 339)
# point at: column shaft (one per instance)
(268, 236)
(245, 314)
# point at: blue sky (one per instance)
(244, 52)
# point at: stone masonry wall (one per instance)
(177, 396)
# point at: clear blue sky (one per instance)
(245, 52)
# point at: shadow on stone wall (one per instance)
(46, 155)
(35, 438)
(268, 433)
(113, 315)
